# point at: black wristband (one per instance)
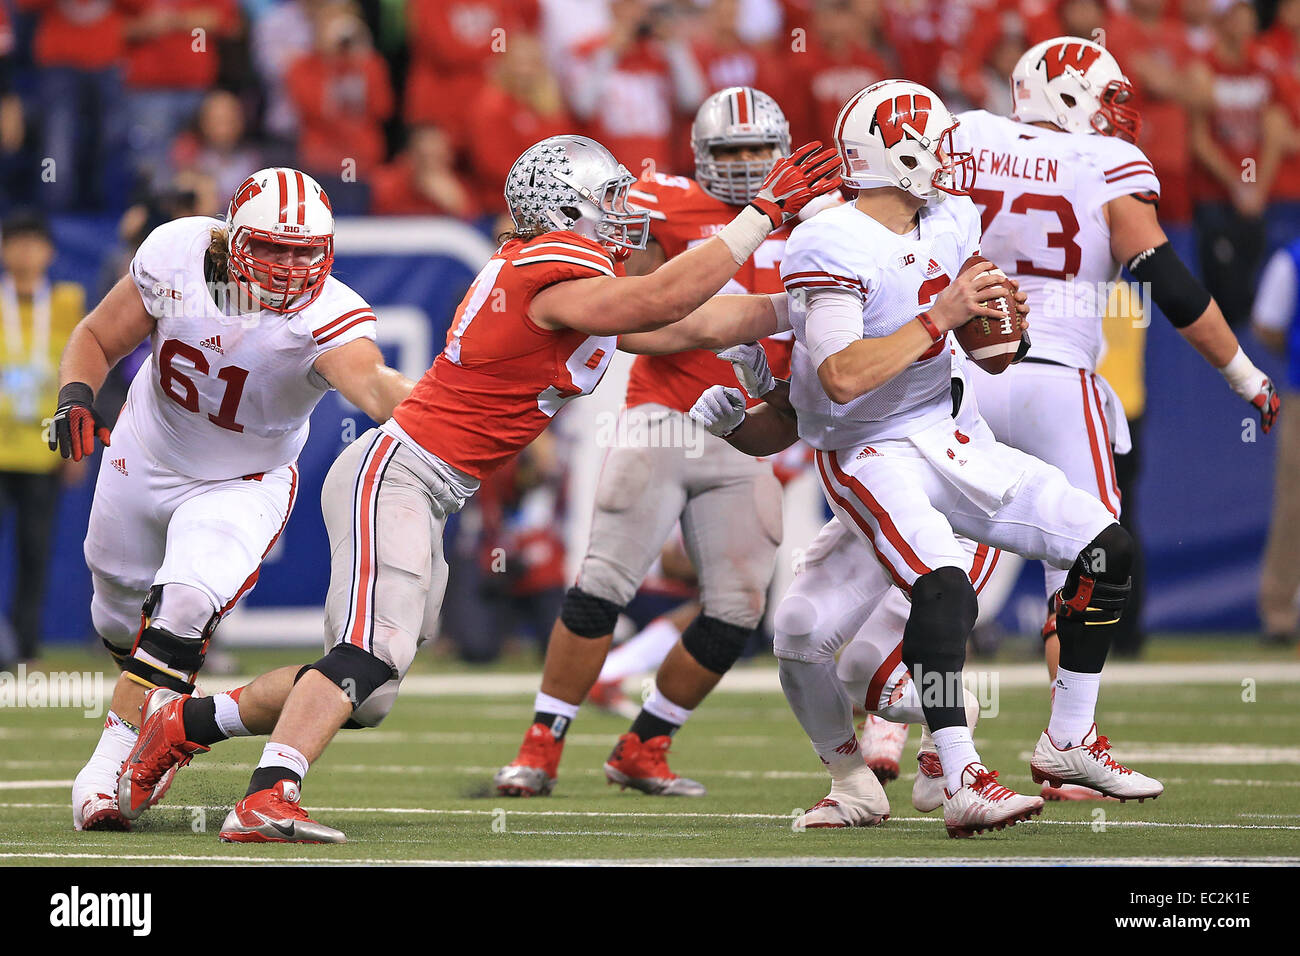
(76, 393)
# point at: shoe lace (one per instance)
(986, 785)
(159, 762)
(1098, 749)
(656, 757)
(288, 808)
(537, 750)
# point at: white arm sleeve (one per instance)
(1275, 300)
(833, 323)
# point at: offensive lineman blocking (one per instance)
(248, 331)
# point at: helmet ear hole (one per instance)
(1068, 100)
(571, 212)
(908, 161)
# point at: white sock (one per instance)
(115, 745)
(660, 706)
(1074, 706)
(282, 755)
(643, 652)
(956, 752)
(228, 716)
(546, 704)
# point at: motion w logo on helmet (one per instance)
(246, 191)
(1058, 58)
(911, 108)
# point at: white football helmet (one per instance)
(286, 208)
(1076, 84)
(899, 133)
(737, 116)
(572, 182)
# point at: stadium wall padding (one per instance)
(1205, 493)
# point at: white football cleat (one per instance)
(928, 787)
(94, 798)
(856, 800)
(1090, 764)
(882, 746)
(984, 804)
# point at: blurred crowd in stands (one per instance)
(420, 106)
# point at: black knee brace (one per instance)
(1097, 587)
(587, 615)
(1093, 597)
(944, 608)
(356, 672)
(176, 653)
(715, 644)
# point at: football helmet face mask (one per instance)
(899, 133)
(1076, 84)
(573, 183)
(281, 239)
(734, 117)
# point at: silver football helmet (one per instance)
(737, 116)
(572, 182)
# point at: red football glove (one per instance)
(76, 424)
(1268, 403)
(810, 171)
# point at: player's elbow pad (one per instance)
(1180, 296)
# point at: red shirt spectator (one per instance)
(812, 83)
(452, 42)
(1279, 46)
(1233, 128)
(1152, 51)
(162, 50)
(82, 34)
(343, 95)
(422, 181)
(521, 105)
(724, 57)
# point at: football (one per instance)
(991, 343)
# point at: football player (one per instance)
(1066, 200)
(728, 504)
(536, 329)
(248, 330)
(841, 598)
(875, 286)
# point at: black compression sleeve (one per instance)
(1180, 296)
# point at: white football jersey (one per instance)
(895, 278)
(227, 395)
(1042, 194)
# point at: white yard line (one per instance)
(680, 861)
(752, 679)
(677, 815)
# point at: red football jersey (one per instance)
(681, 215)
(501, 377)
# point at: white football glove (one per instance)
(749, 362)
(720, 409)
